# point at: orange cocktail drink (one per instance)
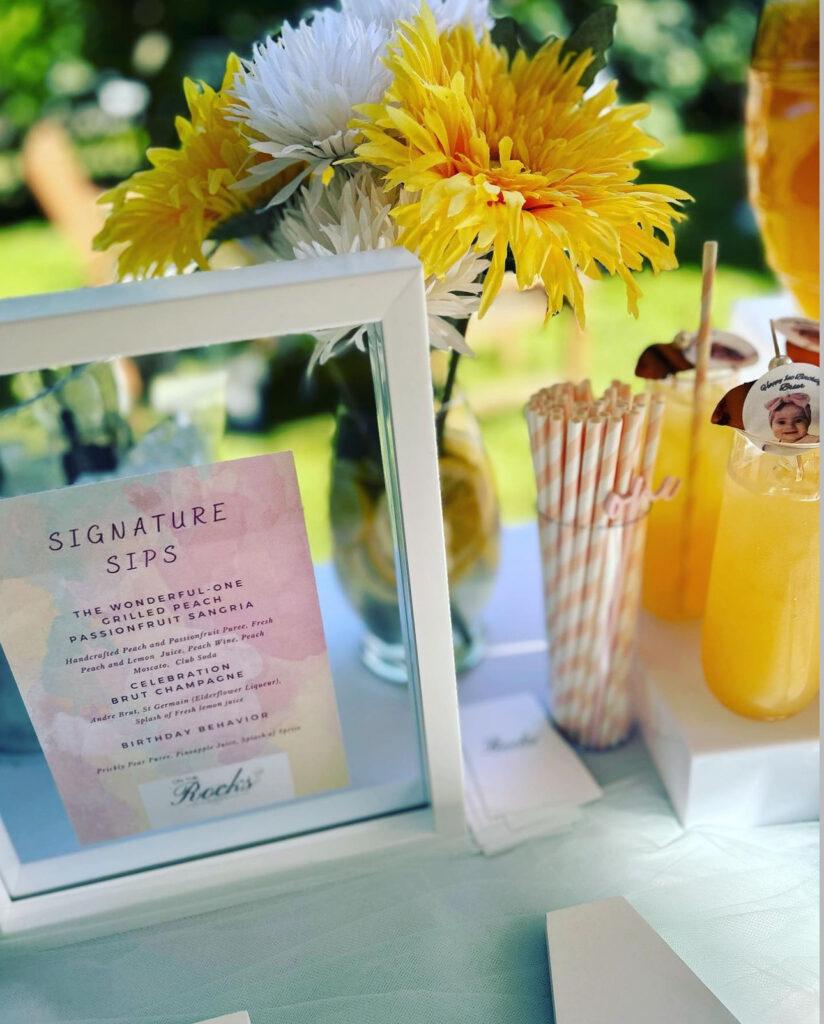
(761, 627)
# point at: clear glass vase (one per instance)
(363, 549)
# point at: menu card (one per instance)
(166, 637)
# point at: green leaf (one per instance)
(251, 224)
(594, 33)
(507, 32)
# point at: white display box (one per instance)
(718, 767)
(53, 885)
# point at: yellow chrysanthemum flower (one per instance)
(163, 216)
(511, 155)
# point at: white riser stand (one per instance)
(718, 767)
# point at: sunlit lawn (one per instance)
(35, 258)
(516, 355)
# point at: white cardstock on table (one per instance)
(176, 313)
(608, 966)
(230, 1018)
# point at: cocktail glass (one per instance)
(681, 533)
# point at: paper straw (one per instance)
(653, 437)
(539, 433)
(588, 634)
(581, 453)
(629, 451)
(614, 722)
(535, 424)
(572, 469)
(702, 362)
(570, 640)
(569, 501)
(709, 261)
(628, 454)
(551, 513)
(539, 428)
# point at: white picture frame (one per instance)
(175, 313)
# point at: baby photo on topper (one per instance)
(782, 406)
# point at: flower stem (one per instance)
(446, 397)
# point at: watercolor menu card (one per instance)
(166, 636)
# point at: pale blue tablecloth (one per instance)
(440, 935)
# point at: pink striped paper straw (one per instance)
(535, 423)
(699, 412)
(550, 512)
(569, 640)
(613, 577)
(589, 640)
(566, 529)
(538, 424)
(545, 419)
(615, 717)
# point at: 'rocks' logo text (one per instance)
(190, 789)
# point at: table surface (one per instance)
(438, 934)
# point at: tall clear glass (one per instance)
(761, 629)
(782, 143)
(679, 547)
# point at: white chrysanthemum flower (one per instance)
(298, 91)
(353, 215)
(448, 13)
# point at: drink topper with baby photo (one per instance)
(782, 406)
(777, 410)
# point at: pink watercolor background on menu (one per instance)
(262, 542)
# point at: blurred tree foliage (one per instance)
(47, 69)
(687, 59)
(40, 43)
(161, 41)
(112, 70)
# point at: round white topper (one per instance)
(782, 407)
